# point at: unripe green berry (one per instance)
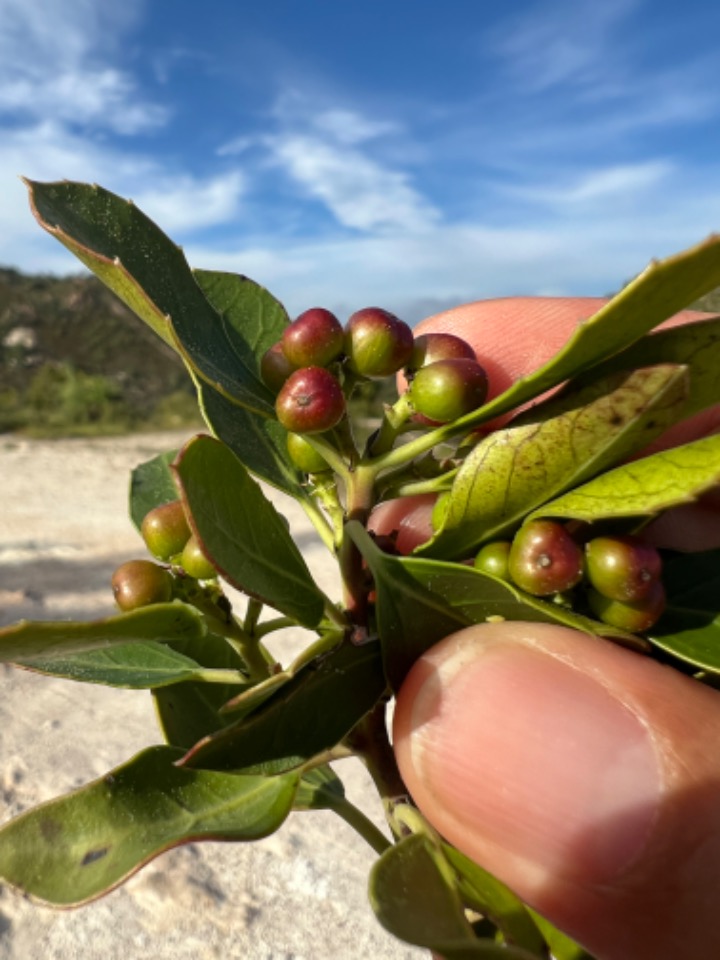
(429, 347)
(304, 456)
(165, 530)
(447, 389)
(314, 339)
(635, 617)
(622, 568)
(275, 367)
(377, 343)
(311, 401)
(544, 558)
(139, 583)
(493, 559)
(195, 563)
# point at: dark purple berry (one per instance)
(429, 347)
(447, 389)
(139, 583)
(493, 559)
(314, 339)
(311, 401)
(275, 367)
(377, 343)
(635, 617)
(165, 530)
(622, 568)
(544, 558)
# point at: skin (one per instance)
(580, 773)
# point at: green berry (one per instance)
(544, 558)
(139, 583)
(493, 559)
(275, 367)
(377, 343)
(622, 568)
(314, 339)
(311, 401)
(447, 389)
(304, 456)
(429, 347)
(165, 530)
(635, 617)
(195, 563)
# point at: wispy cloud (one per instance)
(601, 185)
(55, 64)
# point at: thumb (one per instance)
(583, 775)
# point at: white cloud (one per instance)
(563, 42)
(349, 127)
(56, 63)
(188, 203)
(596, 186)
(359, 191)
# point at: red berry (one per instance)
(447, 389)
(315, 339)
(544, 558)
(311, 401)
(429, 347)
(139, 583)
(377, 343)
(165, 530)
(275, 367)
(622, 568)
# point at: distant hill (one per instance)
(72, 338)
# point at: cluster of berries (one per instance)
(620, 575)
(317, 362)
(167, 535)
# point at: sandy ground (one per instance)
(298, 895)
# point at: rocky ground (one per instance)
(299, 894)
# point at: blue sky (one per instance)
(408, 154)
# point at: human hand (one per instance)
(574, 770)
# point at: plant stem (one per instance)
(370, 741)
(360, 500)
(356, 819)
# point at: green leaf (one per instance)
(554, 447)
(414, 897)
(258, 442)
(410, 618)
(419, 602)
(491, 898)
(561, 946)
(255, 315)
(241, 531)
(694, 345)
(28, 640)
(151, 484)
(690, 627)
(133, 257)
(189, 711)
(138, 666)
(80, 846)
(308, 715)
(659, 292)
(643, 487)
(319, 789)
